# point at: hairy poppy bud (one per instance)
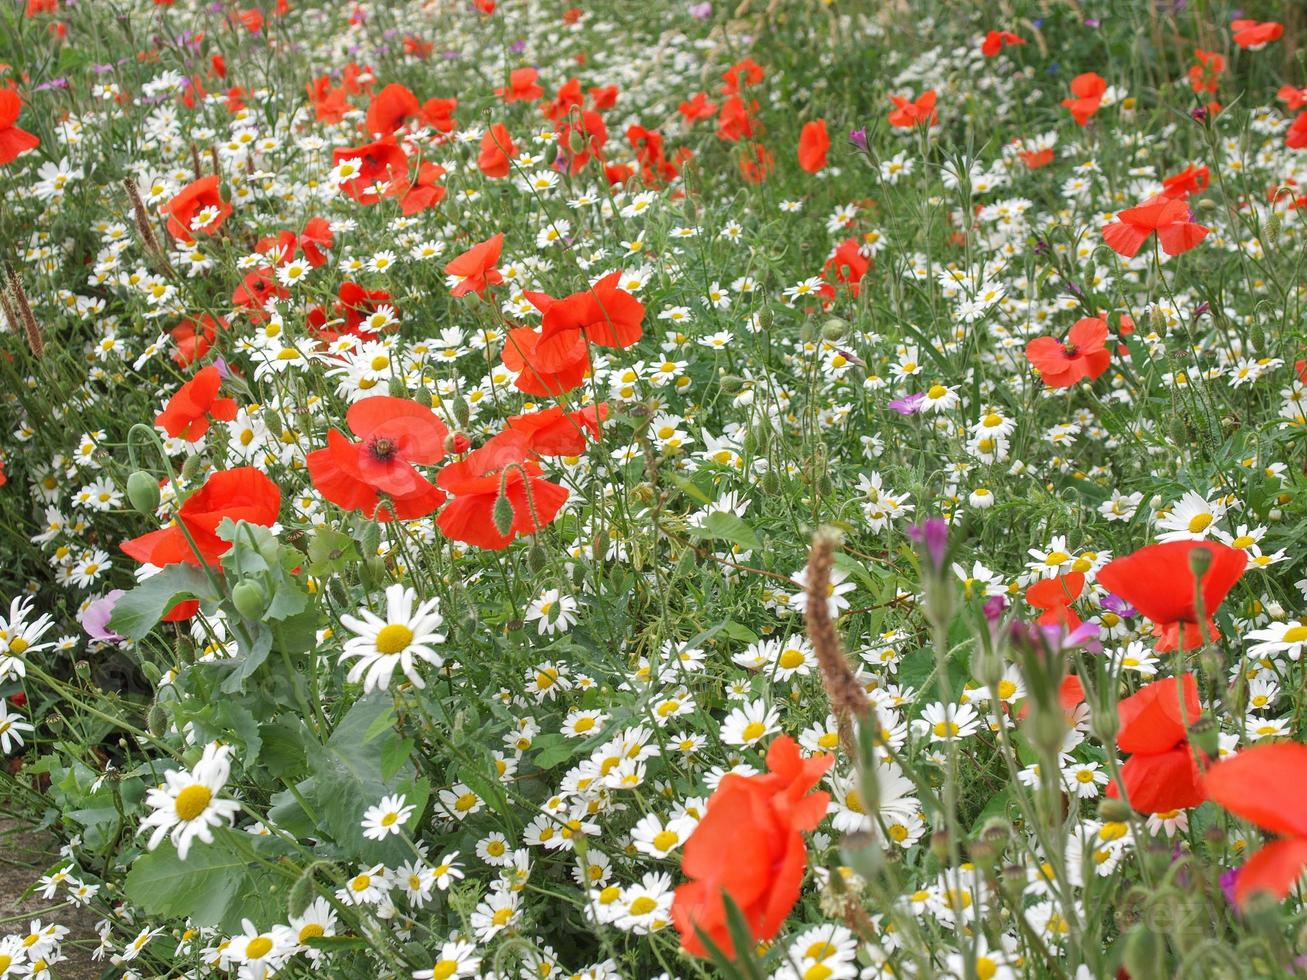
(462, 412)
(156, 719)
(191, 468)
(1205, 734)
(1113, 810)
(1200, 560)
(249, 598)
(143, 492)
(834, 328)
(151, 671)
(1142, 955)
(502, 514)
(536, 559)
(771, 483)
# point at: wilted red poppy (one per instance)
(1162, 772)
(197, 207)
(554, 432)
(919, 112)
(475, 269)
(604, 313)
(750, 846)
(533, 378)
(13, 140)
(1088, 90)
(1084, 355)
(242, 494)
(380, 161)
(1254, 35)
(189, 409)
(995, 41)
(813, 146)
(521, 86)
(1159, 581)
(1266, 785)
(1053, 597)
(394, 433)
(497, 148)
(502, 467)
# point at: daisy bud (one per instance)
(502, 514)
(143, 492)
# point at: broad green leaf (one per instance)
(137, 611)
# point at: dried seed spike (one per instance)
(33, 330)
(848, 699)
(143, 226)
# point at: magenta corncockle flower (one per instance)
(858, 138)
(95, 618)
(908, 405)
(994, 608)
(932, 534)
(1114, 603)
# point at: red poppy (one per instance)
(1293, 98)
(698, 107)
(379, 161)
(813, 146)
(736, 122)
(1088, 90)
(604, 314)
(315, 237)
(189, 409)
(1296, 137)
(1083, 356)
(521, 86)
(742, 75)
(497, 148)
(13, 140)
(533, 378)
(329, 104)
(756, 163)
(1205, 74)
(197, 207)
(426, 191)
(581, 140)
(243, 494)
(848, 265)
(908, 113)
(1053, 597)
(1253, 36)
(502, 467)
(1169, 218)
(1034, 159)
(394, 433)
(1159, 581)
(193, 338)
(1266, 785)
(390, 109)
(749, 846)
(1190, 180)
(357, 304)
(1162, 772)
(255, 290)
(554, 432)
(475, 269)
(655, 167)
(439, 114)
(995, 41)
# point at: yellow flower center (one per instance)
(1295, 634)
(258, 948)
(1199, 522)
(936, 391)
(643, 905)
(361, 883)
(465, 802)
(792, 658)
(666, 840)
(394, 638)
(1056, 558)
(311, 931)
(753, 731)
(18, 646)
(192, 801)
(443, 970)
(389, 819)
(1006, 689)
(502, 916)
(946, 729)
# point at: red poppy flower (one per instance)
(475, 269)
(357, 304)
(316, 237)
(439, 114)
(1253, 36)
(255, 290)
(1159, 581)
(908, 113)
(521, 86)
(1088, 90)
(655, 167)
(1034, 159)
(533, 378)
(13, 140)
(736, 121)
(1082, 356)
(189, 409)
(1293, 98)
(1296, 136)
(194, 338)
(1190, 180)
(848, 265)
(502, 467)
(329, 104)
(1205, 74)
(1266, 785)
(554, 432)
(1169, 218)
(243, 494)
(197, 207)
(749, 846)
(1053, 596)
(497, 148)
(604, 313)
(426, 191)
(394, 433)
(1162, 772)
(698, 107)
(813, 146)
(742, 75)
(995, 41)
(581, 140)
(390, 109)
(379, 161)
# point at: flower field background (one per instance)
(774, 490)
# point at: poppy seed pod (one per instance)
(143, 492)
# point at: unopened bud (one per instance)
(536, 559)
(1142, 955)
(834, 329)
(249, 598)
(1205, 734)
(191, 468)
(1112, 809)
(143, 492)
(1200, 560)
(502, 514)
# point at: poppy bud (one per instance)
(1205, 734)
(143, 492)
(1142, 955)
(1200, 560)
(988, 664)
(462, 412)
(1271, 230)
(1207, 204)
(373, 572)
(536, 559)
(502, 514)
(834, 329)
(456, 443)
(730, 383)
(771, 483)
(1105, 723)
(83, 670)
(151, 671)
(370, 540)
(156, 719)
(1049, 729)
(1157, 319)
(249, 598)
(191, 468)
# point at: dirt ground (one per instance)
(24, 855)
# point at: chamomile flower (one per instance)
(187, 806)
(407, 634)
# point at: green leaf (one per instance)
(250, 657)
(137, 611)
(215, 886)
(728, 527)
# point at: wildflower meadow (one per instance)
(765, 489)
